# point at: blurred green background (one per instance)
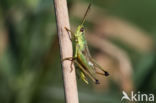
(121, 35)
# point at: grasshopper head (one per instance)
(80, 30)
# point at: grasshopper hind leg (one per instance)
(105, 73)
(73, 60)
(98, 66)
(87, 73)
(97, 81)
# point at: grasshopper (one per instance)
(82, 57)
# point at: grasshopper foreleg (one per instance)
(72, 34)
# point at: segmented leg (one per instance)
(72, 59)
(86, 72)
(71, 65)
(68, 58)
(83, 77)
(97, 65)
(72, 34)
(100, 73)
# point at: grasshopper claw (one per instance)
(97, 81)
(106, 73)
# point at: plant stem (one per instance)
(62, 19)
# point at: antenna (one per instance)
(84, 18)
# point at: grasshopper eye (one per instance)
(82, 29)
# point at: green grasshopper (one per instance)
(82, 55)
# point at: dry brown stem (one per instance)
(70, 85)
